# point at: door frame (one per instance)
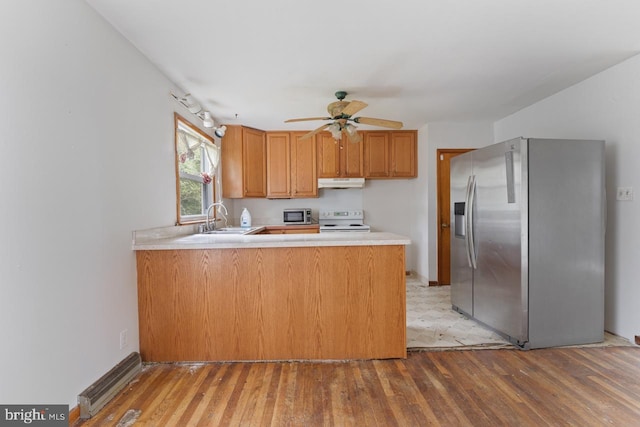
(439, 192)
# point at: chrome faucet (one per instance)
(211, 225)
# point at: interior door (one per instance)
(444, 216)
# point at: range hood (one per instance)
(340, 182)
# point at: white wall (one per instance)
(87, 157)
(269, 211)
(390, 206)
(605, 106)
(447, 135)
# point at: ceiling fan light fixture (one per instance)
(351, 129)
(336, 131)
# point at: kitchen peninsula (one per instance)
(327, 296)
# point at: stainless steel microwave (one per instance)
(296, 216)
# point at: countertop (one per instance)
(171, 238)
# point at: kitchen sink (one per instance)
(235, 230)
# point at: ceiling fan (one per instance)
(341, 112)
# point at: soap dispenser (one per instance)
(245, 218)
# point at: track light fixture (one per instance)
(194, 107)
(219, 132)
(189, 103)
(207, 120)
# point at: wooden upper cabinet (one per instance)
(278, 165)
(291, 166)
(243, 163)
(352, 155)
(281, 165)
(304, 176)
(377, 154)
(254, 162)
(328, 156)
(339, 158)
(390, 154)
(404, 154)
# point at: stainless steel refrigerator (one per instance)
(527, 247)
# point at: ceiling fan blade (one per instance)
(307, 119)
(313, 132)
(353, 107)
(379, 122)
(335, 108)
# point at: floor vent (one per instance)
(102, 391)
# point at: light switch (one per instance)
(624, 193)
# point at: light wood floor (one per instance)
(557, 387)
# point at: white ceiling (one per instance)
(417, 61)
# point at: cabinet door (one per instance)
(339, 158)
(352, 158)
(304, 178)
(404, 154)
(231, 161)
(328, 151)
(376, 154)
(278, 165)
(254, 163)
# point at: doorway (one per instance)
(444, 214)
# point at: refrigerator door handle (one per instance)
(466, 218)
(511, 185)
(473, 258)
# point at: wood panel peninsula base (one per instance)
(272, 303)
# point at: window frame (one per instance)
(208, 190)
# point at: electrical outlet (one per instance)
(124, 339)
(624, 193)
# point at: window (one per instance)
(196, 162)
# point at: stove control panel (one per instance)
(341, 215)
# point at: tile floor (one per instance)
(433, 325)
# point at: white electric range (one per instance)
(345, 221)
